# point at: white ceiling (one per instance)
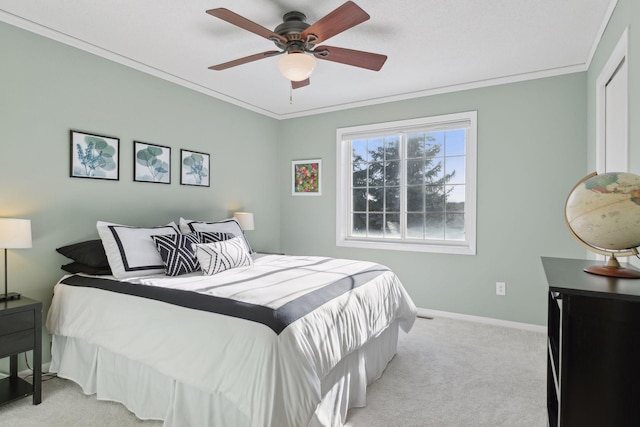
(433, 45)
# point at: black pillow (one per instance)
(77, 267)
(90, 253)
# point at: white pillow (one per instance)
(130, 250)
(221, 256)
(229, 225)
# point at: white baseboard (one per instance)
(478, 319)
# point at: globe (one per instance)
(602, 212)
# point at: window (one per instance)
(408, 185)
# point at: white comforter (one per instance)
(273, 379)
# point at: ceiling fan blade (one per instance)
(302, 83)
(344, 17)
(357, 58)
(244, 60)
(244, 23)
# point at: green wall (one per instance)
(531, 150)
(535, 141)
(48, 88)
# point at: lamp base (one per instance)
(10, 296)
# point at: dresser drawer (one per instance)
(16, 322)
(16, 342)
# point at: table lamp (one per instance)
(14, 234)
(245, 219)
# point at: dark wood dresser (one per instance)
(593, 363)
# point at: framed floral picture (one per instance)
(306, 177)
(194, 168)
(94, 156)
(152, 163)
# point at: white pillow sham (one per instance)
(130, 250)
(229, 225)
(220, 256)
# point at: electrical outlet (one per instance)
(501, 288)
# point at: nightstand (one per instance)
(21, 331)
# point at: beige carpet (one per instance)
(447, 373)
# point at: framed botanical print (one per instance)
(94, 156)
(194, 168)
(306, 177)
(152, 163)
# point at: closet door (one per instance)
(612, 111)
(617, 121)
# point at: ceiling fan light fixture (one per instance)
(296, 66)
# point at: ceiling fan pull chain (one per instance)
(290, 95)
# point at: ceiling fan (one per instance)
(298, 41)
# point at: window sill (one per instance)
(463, 248)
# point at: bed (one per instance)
(281, 341)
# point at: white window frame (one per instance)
(344, 184)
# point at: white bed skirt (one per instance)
(150, 394)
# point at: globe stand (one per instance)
(613, 269)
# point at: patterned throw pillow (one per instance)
(221, 256)
(212, 237)
(177, 253)
(230, 225)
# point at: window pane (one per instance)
(455, 198)
(393, 226)
(434, 226)
(434, 144)
(455, 227)
(415, 172)
(434, 171)
(360, 199)
(375, 149)
(392, 173)
(415, 146)
(392, 199)
(455, 143)
(434, 198)
(376, 225)
(392, 148)
(415, 226)
(455, 166)
(376, 199)
(376, 173)
(415, 199)
(359, 225)
(358, 150)
(359, 174)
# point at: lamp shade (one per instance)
(15, 233)
(245, 219)
(296, 66)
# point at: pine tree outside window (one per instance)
(408, 185)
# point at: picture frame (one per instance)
(151, 163)
(195, 168)
(94, 156)
(306, 177)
